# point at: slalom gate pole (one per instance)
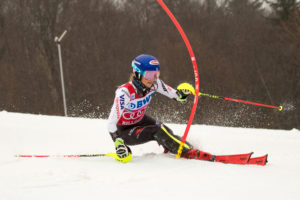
(193, 59)
(240, 101)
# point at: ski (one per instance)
(233, 159)
(242, 159)
(262, 160)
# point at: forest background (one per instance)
(247, 50)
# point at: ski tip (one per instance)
(266, 159)
(262, 160)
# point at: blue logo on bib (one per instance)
(141, 103)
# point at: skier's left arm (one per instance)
(179, 95)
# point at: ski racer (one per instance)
(129, 125)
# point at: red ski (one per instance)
(234, 159)
(259, 160)
(242, 159)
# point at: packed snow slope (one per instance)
(151, 174)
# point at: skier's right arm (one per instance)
(122, 98)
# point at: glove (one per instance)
(122, 151)
(182, 94)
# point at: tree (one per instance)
(284, 8)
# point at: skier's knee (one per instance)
(165, 137)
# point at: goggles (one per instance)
(149, 75)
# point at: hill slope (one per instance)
(151, 174)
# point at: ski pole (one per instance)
(113, 155)
(62, 156)
(240, 101)
(189, 87)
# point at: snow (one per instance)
(151, 174)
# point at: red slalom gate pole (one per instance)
(193, 59)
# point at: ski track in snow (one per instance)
(151, 174)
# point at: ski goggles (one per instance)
(149, 75)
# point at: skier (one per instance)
(129, 125)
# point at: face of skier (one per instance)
(147, 82)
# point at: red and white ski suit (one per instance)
(129, 108)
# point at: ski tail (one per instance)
(262, 160)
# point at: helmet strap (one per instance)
(138, 76)
(142, 90)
